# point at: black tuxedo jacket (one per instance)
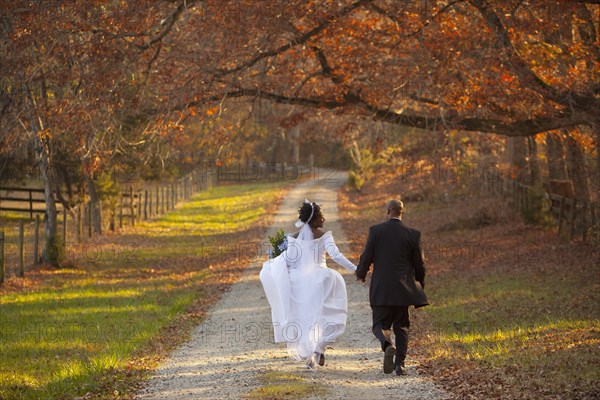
(398, 271)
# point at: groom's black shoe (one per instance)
(322, 359)
(388, 359)
(400, 370)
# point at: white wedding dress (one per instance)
(308, 301)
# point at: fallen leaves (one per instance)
(517, 272)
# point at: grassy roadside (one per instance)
(95, 328)
(515, 312)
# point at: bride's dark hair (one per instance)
(305, 211)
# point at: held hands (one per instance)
(358, 278)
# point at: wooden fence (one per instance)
(132, 206)
(21, 244)
(572, 218)
(138, 205)
(23, 200)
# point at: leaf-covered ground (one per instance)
(515, 312)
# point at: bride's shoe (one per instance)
(312, 362)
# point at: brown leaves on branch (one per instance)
(399, 62)
(510, 67)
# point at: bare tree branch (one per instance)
(521, 68)
(295, 42)
(526, 127)
(166, 27)
(169, 22)
(392, 17)
(325, 67)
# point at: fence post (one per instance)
(177, 198)
(515, 194)
(561, 212)
(584, 221)
(79, 222)
(595, 224)
(145, 205)
(157, 200)
(21, 250)
(173, 194)
(131, 206)
(166, 198)
(65, 225)
(30, 204)
(121, 211)
(192, 183)
(572, 217)
(113, 216)
(2, 271)
(36, 240)
(139, 203)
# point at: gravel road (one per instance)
(235, 343)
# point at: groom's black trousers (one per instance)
(396, 317)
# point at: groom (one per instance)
(397, 282)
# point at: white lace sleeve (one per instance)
(335, 253)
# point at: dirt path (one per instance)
(235, 343)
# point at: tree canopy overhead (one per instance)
(512, 67)
(89, 81)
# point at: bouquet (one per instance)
(279, 243)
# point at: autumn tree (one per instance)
(112, 80)
(66, 82)
(465, 65)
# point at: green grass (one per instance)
(285, 385)
(65, 336)
(14, 216)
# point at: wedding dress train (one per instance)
(308, 301)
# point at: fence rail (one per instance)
(11, 194)
(132, 206)
(573, 218)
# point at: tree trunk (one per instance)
(596, 128)
(555, 157)
(295, 136)
(518, 158)
(534, 165)
(576, 168)
(95, 206)
(53, 247)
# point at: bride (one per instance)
(308, 300)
